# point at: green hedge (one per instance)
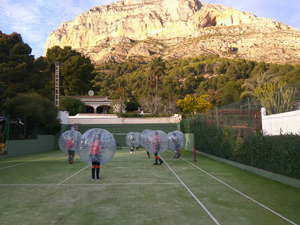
(278, 154)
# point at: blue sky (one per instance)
(35, 19)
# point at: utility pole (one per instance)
(56, 97)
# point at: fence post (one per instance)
(218, 127)
(217, 116)
(249, 115)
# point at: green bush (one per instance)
(278, 154)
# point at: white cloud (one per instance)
(36, 19)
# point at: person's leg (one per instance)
(179, 154)
(93, 170)
(148, 154)
(156, 158)
(160, 160)
(69, 156)
(72, 156)
(98, 171)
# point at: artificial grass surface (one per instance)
(43, 188)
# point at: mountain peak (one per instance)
(175, 29)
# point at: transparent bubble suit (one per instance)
(157, 141)
(69, 140)
(133, 139)
(144, 137)
(106, 142)
(176, 140)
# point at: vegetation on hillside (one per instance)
(224, 80)
(159, 84)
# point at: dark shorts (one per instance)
(71, 152)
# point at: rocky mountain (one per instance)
(175, 29)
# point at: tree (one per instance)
(19, 71)
(75, 72)
(72, 105)
(231, 92)
(277, 97)
(132, 106)
(35, 107)
(157, 69)
(153, 105)
(170, 106)
(121, 86)
(194, 104)
(251, 84)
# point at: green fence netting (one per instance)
(234, 132)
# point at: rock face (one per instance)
(175, 29)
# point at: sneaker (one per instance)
(130, 152)
(98, 178)
(161, 162)
(155, 163)
(148, 157)
(93, 179)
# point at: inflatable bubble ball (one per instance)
(176, 140)
(157, 141)
(69, 140)
(144, 137)
(133, 139)
(97, 145)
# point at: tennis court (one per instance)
(43, 188)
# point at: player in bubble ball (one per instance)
(147, 141)
(71, 148)
(132, 139)
(95, 150)
(177, 146)
(156, 143)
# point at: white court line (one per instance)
(240, 193)
(96, 183)
(10, 161)
(73, 175)
(200, 203)
(126, 184)
(28, 162)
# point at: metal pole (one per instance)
(249, 115)
(56, 96)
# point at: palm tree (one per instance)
(121, 85)
(157, 69)
(260, 79)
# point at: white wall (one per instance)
(63, 116)
(113, 119)
(282, 123)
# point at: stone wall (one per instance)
(113, 119)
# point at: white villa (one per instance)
(95, 104)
